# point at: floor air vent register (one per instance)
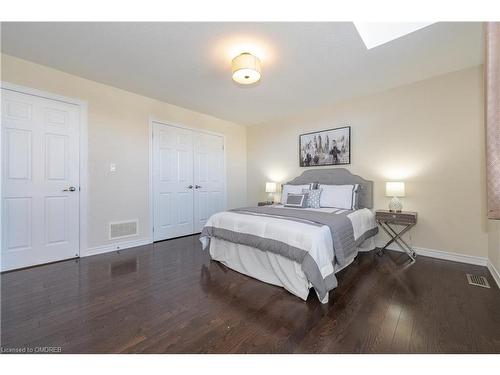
(477, 280)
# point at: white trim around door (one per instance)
(83, 153)
(153, 120)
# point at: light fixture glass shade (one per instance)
(246, 69)
(395, 189)
(270, 187)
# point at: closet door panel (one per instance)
(209, 193)
(172, 181)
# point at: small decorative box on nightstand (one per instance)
(387, 219)
(265, 203)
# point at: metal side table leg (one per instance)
(397, 238)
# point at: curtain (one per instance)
(492, 115)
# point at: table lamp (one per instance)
(395, 190)
(271, 189)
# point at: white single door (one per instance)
(40, 180)
(209, 178)
(172, 181)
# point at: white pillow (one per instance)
(338, 196)
(294, 189)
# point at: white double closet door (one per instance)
(40, 180)
(188, 180)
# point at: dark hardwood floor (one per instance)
(170, 298)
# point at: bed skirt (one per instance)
(269, 267)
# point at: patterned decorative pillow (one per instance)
(296, 200)
(312, 197)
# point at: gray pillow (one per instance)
(312, 197)
(296, 200)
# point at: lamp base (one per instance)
(270, 198)
(395, 205)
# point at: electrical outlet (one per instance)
(112, 167)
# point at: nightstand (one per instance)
(387, 220)
(265, 203)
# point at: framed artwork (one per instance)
(325, 147)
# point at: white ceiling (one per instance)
(305, 65)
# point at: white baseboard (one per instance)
(494, 272)
(116, 246)
(438, 254)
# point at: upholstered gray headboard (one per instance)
(338, 176)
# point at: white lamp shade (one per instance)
(270, 187)
(395, 189)
(246, 69)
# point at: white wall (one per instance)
(429, 134)
(118, 123)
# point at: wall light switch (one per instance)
(112, 167)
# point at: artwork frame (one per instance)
(334, 147)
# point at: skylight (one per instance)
(375, 34)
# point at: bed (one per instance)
(296, 248)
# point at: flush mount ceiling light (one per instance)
(375, 34)
(246, 69)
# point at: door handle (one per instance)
(190, 186)
(198, 187)
(71, 188)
